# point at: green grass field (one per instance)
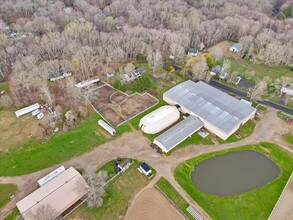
(289, 138)
(13, 215)
(118, 195)
(254, 204)
(244, 131)
(169, 190)
(36, 155)
(241, 65)
(6, 190)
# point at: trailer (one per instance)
(107, 127)
(87, 83)
(51, 176)
(27, 109)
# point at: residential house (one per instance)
(236, 48)
(128, 77)
(124, 165)
(193, 52)
(58, 75)
(216, 70)
(146, 170)
(287, 91)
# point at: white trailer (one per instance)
(107, 127)
(51, 176)
(27, 109)
(87, 83)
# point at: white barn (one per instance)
(107, 127)
(219, 112)
(159, 119)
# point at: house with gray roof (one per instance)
(236, 47)
(193, 52)
(219, 112)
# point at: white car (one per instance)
(40, 116)
(35, 112)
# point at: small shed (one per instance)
(107, 127)
(145, 169)
(236, 48)
(26, 110)
(193, 52)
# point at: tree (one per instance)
(96, 182)
(200, 70)
(259, 90)
(210, 60)
(226, 66)
(44, 212)
(177, 51)
(141, 84)
(129, 67)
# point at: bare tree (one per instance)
(200, 70)
(96, 181)
(129, 67)
(259, 90)
(44, 212)
(226, 66)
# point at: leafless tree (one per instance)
(259, 90)
(44, 212)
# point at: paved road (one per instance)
(135, 145)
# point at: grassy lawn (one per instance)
(4, 86)
(261, 108)
(169, 190)
(6, 190)
(244, 131)
(289, 138)
(35, 155)
(13, 215)
(241, 65)
(254, 204)
(119, 193)
(282, 115)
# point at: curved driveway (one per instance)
(135, 145)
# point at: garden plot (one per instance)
(116, 107)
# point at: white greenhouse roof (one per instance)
(159, 119)
(178, 133)
(210, 104)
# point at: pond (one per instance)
(234, 173)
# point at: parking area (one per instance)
(117, 107)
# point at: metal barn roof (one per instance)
(60, 193)
(178, 133)
(210, 104)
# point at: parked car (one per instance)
(40, 116)
(35, 112)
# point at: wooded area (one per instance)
(88, 37)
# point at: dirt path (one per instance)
(135, 145)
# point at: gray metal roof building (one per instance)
(178, 133)
(220, 113)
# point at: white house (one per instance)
(192, 52)
(287, 91)
(146, 170)
(58, 75)
(236, 47)
(124, 165)
(128, 77)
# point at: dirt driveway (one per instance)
(135, 145)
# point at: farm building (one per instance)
(193, 52)
(178, 133)
(236, 47)
(59, 194)
(159, 119)
(219, 112)
(107, 127)
(27, 109)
